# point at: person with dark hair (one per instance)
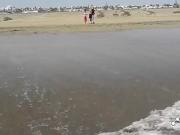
(90, 17)
(93, 15)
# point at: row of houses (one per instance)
(12, 9)
(151, 6)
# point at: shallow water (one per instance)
(159, 122)
(85, 83)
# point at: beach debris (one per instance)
(100, 125)
(74, 106)
(70, 99)
(80, 129)
(19, 106)
(5, 84)
(56, 128)
(38, 132)
(20, 77)
(38, 126)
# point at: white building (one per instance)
(9, 8)
(30, 12)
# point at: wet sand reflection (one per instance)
(85, 83)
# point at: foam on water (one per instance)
(159, 122)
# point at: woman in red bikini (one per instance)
(85, 16)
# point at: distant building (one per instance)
(30, 10)
(9, 9)
(118, 7)
(42, 10)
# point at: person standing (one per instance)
(90, 17)
(85, 16)
(93, 15)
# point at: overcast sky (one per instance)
(55, 3)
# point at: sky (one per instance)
(57, 3)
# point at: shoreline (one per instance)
(113, 27)
(158, 122)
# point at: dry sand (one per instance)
(73, 22)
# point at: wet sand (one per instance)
(85, 83)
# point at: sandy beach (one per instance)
(73, 22)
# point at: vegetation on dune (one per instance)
(150, 12)
(115, 14)
(7, 19)
(125, 13)
(176, 12)
(100, 14)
